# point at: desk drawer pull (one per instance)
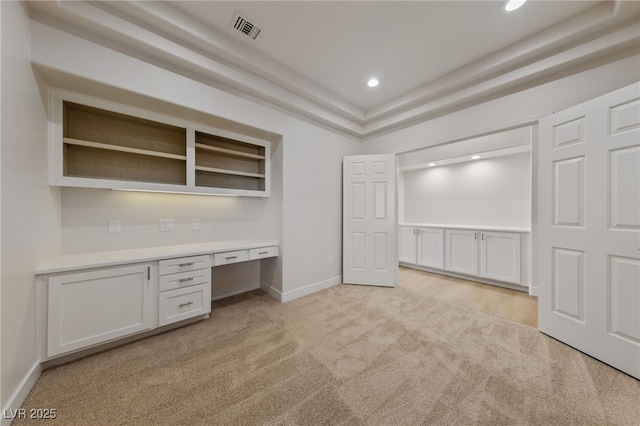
(263, 252)
(231, 257)
(182, 305)
(185, 264)
(184, 280)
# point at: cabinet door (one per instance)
(407, 244)
(500, 256)
(88, 308)
(430, 247)
(461, 251)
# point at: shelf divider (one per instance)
(110, 147)
(229, 172)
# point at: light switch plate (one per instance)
(167, 225)
(115, 226)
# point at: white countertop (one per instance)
(69, 262)
(470, 227)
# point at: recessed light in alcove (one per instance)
(373, 82)
(511, 5)
(476, 157)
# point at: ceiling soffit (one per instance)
(159, 30)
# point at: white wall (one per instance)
(485, 192)
(86, 214)
(502, 112)
(516, 108)
(30, 216)
(304, 210)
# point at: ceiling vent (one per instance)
(245, 26)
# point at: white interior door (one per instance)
(370, 255)
(589, 182)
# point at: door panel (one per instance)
(406, 244)
(461, 251)
(624, 174)
(589, 239)
(569, 192)
(431, 247)
(370, 253)
(500, 256)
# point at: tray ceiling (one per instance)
(313, 58)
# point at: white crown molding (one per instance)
(157, 32)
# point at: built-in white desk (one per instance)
(89, 299)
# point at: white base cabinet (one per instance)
(185, 289)
(489, 255)
(407, 244)
(92, 299)
(421, 246)
(461, 251)
(500, 256)
(88, 308)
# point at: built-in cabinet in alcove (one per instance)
(469, 216)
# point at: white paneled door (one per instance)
(370, 255)
(589, 181)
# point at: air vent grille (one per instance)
(245, 26)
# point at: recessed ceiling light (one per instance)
(475, 157)
(373, 82)
(431, 164)
(512, 5)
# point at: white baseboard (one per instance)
(533, 291)
(11, 410)
(467, 277)
(303, 291)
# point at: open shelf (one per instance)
(99, 144)
(227, 163)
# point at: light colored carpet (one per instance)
(505, 303)
(348, 355)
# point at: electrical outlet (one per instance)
(330, 260)
(114, 226)
(167, 225)
(196, 224)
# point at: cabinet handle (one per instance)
(183, 280)
(231, 257)
(482, 233)
(475, 235)
(263, 252)
(185, 264)
(182, 305)
(148, 273)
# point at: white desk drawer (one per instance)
(230, 257)
(182, 264)
(261, 253)
(184, 279)
(184, 303)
